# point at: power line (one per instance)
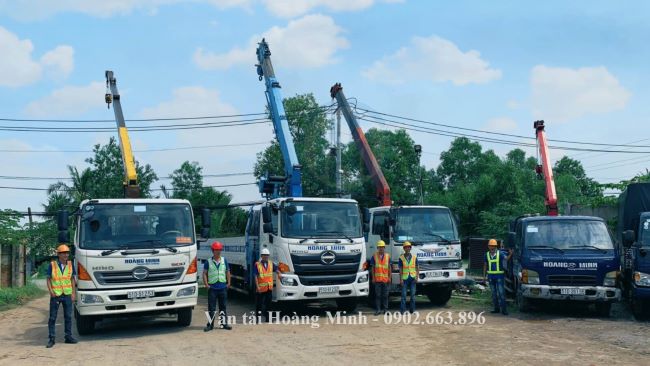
(496, 133)
(141, 151)
(157, 189)
(164, 177)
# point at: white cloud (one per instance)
(501, 124)
(190, 101)
(69, 101)
(294, 8)
(311, 41)
(435, 59)
(39, 9)
(561, 94)
(59, 62)
(18, 68)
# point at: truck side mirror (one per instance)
(510, 241)
(205, 233)
(266, 214)
(386, 232)
(366, 216)
(206, 219)
(628, 238)
(366, 227)
(268, 228)
(63, 236)
(62, 217)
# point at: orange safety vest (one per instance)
(61, 282)
(265, 277)
(381, 269)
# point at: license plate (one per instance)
(572, 291)
(328, 290)
(140, 294)
(433, 274)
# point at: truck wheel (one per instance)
(438, 296)
(603, 308)
(523, 304)
(347, 304)
(85, 324)
(638, 309)
(184, 317)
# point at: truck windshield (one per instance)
(321, 220)
(569, 234)
(117, 226)
(424, 225)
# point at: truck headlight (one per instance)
(641, 279)
(363, 278)
(610, 278)
(187, 291)
(91, 299)
(530, 277)
(286, 281)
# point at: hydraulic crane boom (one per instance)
(131, 187)
(382, 187)
(545, 169)
(292, 168)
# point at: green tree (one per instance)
(11, 232)
(308, 125)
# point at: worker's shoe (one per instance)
(226, 327)
(377, 312)
(71, 340)
(495, 311)
(208, 328)
(50, 343)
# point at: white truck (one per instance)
(433, 233)
(133, 257)
(317, 243)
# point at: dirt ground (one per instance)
(552, 335)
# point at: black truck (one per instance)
(633, 230)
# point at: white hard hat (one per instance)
(265, 252)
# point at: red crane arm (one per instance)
(546, 169)
(382, 187)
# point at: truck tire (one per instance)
(184, 317)
(638, 309)
(85, 324)
(603, 309)
(347, 304)
(523, 304)
(438, 296)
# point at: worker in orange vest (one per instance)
(264, 270)
(380, 264)
(61, 284)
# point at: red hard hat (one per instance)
(217, 246)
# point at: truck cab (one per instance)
(433, 233)
(637, 243)
(570, 258)
(134, 257)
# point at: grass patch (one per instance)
(13, 296)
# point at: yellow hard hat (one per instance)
(492, 243)
(381, 244)
(406, 244)
(62, 249)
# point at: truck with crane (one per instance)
(432, 230)
(134, 256)
(317, 243)
(568, 258)
(633, 231)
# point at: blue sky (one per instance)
(498, 66)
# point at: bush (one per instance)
(18, 295)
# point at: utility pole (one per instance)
(338, 153)
(418, 151)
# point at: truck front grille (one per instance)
(126, 277)
(571, 280)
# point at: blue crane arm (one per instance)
(292, 166)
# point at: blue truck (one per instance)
(633, 231)
(568, 258)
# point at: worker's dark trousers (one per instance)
(498, 293)
(408, 284)
(215, 296)
(381, 296)
(66, 300)
(263, 303)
